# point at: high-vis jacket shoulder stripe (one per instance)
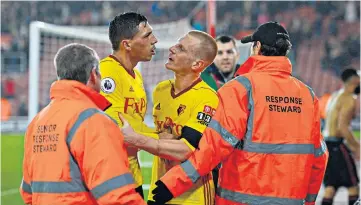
(76, 184)
(74, 167)
(253, 199)
(246, 83)
(227, 136)
(311, 92)
(111, 184)
(82, 117)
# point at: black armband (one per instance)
(191, 135)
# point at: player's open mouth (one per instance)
(153, 51)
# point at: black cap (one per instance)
(267, 33)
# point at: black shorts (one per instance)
(215, 174)
(139, 190)
(341, 169)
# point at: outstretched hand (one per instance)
(127, 130)
(130, 136)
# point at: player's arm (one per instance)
(223, 134)
(346, 114)
(191, 133)
(319, 160)
(166, 148)
(180, 149)
(103, 160)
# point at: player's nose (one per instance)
(155, 40)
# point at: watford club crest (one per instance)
(181, 109)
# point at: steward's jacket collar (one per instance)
(269, 64)
(74, 90)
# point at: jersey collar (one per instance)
(131, 73)
(185, 90)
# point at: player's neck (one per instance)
(125, 60)
(182, 82)
(348, 89)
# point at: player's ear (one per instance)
(92, 76)
(198, 65)
(258, 47)
(126, 44)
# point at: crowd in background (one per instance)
(320, 20)
(18, 15)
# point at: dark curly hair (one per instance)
(124, 26)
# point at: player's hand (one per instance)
(128, 132)
(166, 135)
(161, 193)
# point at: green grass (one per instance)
(12, 149)
(11, 168)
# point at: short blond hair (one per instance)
(207, 50)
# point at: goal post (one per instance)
(36, 28)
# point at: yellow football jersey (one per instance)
(126, 93)
(193, 108)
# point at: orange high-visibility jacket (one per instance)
(74, 153)
(266, 133)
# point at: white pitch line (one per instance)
(145, 164)
(146, 186)
(9, 192)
